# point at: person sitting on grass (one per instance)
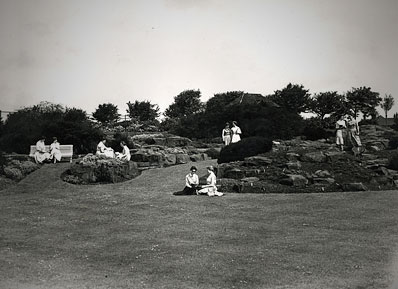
(191, 183)
(55, 152)
(104, 151)
(41, 155)
(210, 188)
(125, 154)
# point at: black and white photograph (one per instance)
(198, 144)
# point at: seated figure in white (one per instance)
(55, 152)
(125, 154)
(210, 188)
(104, 151)
(41, 154)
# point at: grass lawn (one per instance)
(138, 235)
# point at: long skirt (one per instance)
(235, 138)
(354, 138)
(55, 153)
(41, 157)
(109, 153)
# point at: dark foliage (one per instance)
(293, 98)
(71, 126)
(247, 147)
(186, 103)
(143, 111)
(393, 143)
(255, 116)
(315, 129)
(106, 113)
(393, 162)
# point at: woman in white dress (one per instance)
(125, 154)
(104, 151)
(210, 188)
(236, 132)
(41, 154)
(55, 152)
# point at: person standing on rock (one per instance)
(236, 132)
(340, 128)
(353, 133)
(191, 183)
(226, 134)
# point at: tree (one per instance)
(293, 98)
(106, 113)
(327, 103)
(364, 100)
(143, 111)
(186, 103)
(220, 101)
(387, 104)
(70, 125)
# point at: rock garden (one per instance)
(291, 166)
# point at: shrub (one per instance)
(393, 143)
(72, 126)
(393, 162)
(213, 153)
(28, 167)
(247, 147)
(13, 173)
(314, 129)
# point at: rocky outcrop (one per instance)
(304, 166)
(92, 169)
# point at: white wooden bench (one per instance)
(66, 151)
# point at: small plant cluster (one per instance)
(247, 147)
(17, 170)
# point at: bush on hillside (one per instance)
(247, 147)
(314, 129)
(255, 119)
(70, 125)
(393, 143)
(393, 162)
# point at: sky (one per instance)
(82, 53)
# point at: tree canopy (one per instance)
(387, 104)
(143, 111)
(70, 125)
(293, 98)
(328, 103)
(363, 100)
(186, 103)
(106, 113)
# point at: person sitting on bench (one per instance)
(41, 155)
(55, 152)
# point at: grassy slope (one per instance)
(138, 235)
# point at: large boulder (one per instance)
(294, 180)
(354, 187)
(92, 169)
(314, 157)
